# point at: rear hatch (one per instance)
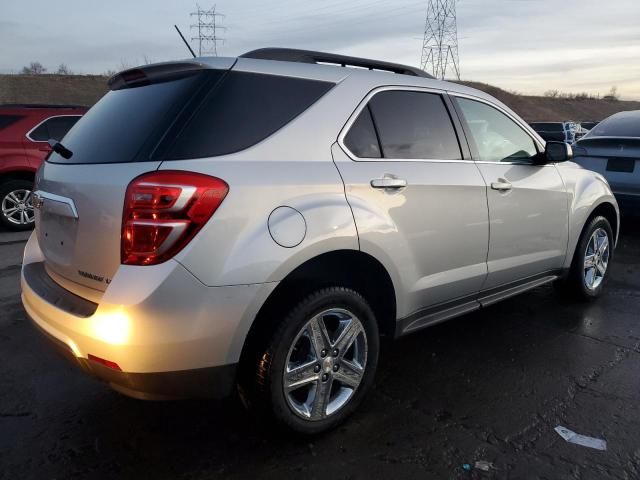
(79, 219)
(617, 158)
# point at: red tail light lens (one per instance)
(163, 211)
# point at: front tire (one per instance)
(319, 362)
(592, 259)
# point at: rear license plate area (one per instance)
(624, 165)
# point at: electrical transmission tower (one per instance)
(440, 43)
(207, 28)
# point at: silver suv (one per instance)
(263, 221)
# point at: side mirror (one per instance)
(558, 152)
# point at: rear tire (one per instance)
(16, 209)
(591, 260)
(318, 364)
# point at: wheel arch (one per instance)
(606, 208)
(348, 268)
(25, 174)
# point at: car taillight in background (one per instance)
(163, 211)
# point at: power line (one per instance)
(207, 28)
(440, 42)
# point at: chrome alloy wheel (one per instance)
(596, 259)
(17, 207)
(325, 364)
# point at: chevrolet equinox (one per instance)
(260, 223)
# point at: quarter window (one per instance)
(242, 110)
(362, 139)
(496, 136)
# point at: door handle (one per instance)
(388, 182)
(502, 186)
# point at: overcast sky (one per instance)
(525, 45)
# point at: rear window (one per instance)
(6, 120)
(625, 124)
(210, 113)
(242, 110)
(54, 127)
(414, 125)
(116, 129)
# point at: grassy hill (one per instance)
(87, 89)
(533, 108)
(60, 89)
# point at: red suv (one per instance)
(24, 132)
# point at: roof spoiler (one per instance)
(156, 73)
(309, 56)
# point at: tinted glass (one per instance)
(623, 124)
(496, 136)
(414, 125)
(242, 110)
(362, 139)
(59, 126)
(547, 127)
(6, 120)
(115, 129)
(40, 134)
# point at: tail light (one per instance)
(163, 211)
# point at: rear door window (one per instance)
(414, 125)
(242, 110)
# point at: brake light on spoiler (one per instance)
(163, 211)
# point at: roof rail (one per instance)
(309, 56)
(39, 105)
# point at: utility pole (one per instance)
(207, 28)
(440, 44)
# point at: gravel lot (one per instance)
(488, 386)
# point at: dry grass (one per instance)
(87, 89)
(540, 109)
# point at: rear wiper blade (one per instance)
(60, 149)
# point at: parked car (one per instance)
(612, 148)
(556, 131)
(263, 221)
(24, 131)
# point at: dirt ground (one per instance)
(489, 386)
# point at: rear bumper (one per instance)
(170, 335)
(211, 382)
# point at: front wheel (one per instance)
(592, 259)
(319, 363)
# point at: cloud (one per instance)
(524, 45)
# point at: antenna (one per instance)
(185, 41)
(440, 43)
(207, 30)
